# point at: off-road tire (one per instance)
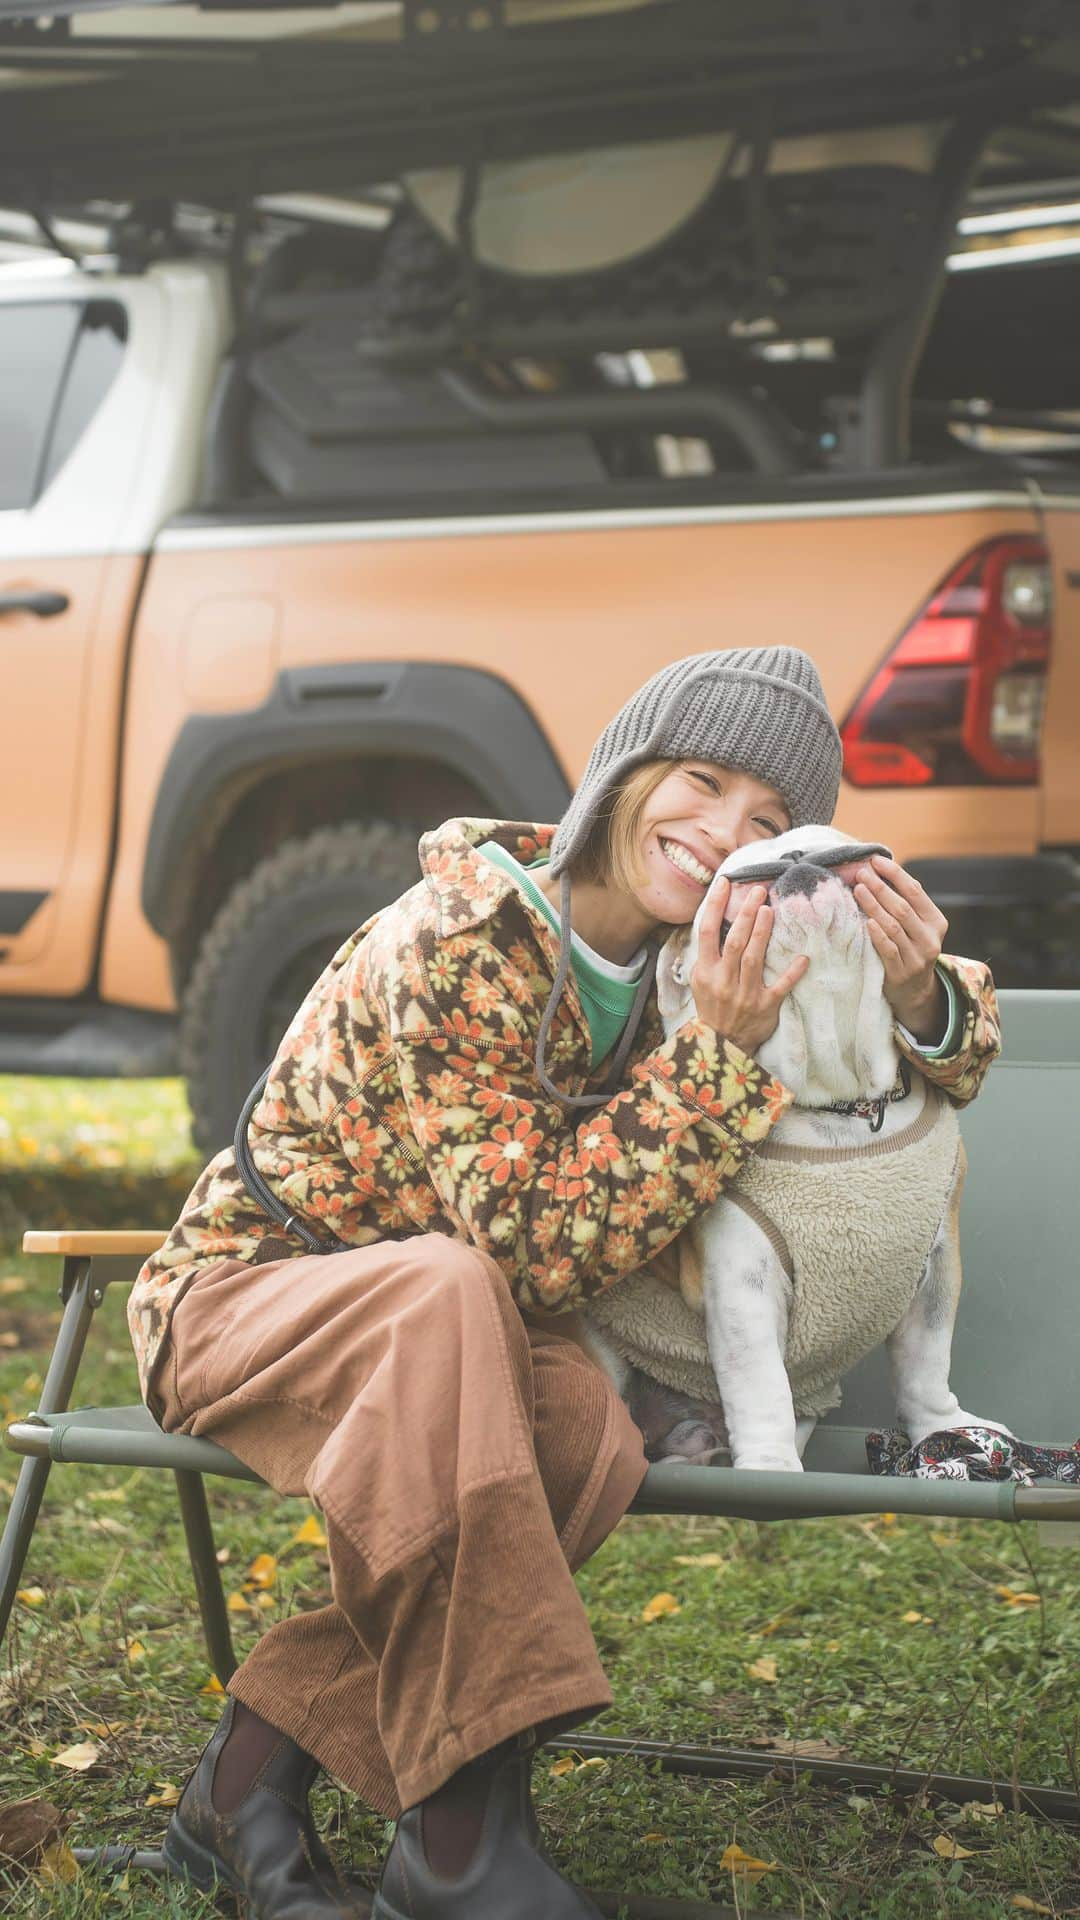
(266, 946)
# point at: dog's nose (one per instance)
(802, 877)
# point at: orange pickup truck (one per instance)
(276, 595)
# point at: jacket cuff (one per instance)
(707, 1080)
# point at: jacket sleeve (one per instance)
(976, 1040)
(567, 1205)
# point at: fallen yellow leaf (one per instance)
(659, 1605)
(265, 1600)
(763, 1669)
(1013, 1599)
(833, 1646)
(223, 1556)
(77, 1758)
(238, 1603)
(772, 1626)
(214, 1686)
(58, 1863)
(744, 1865)
(1027, 1905)
(653, 1839)
(700, 1560)
(135, 1651)
(31, 1596)
(262, 1571)
(950, 1849)
(913, 1619)
(103, 1729)
(596, 1761)
(166, 1796)
(12, 1283)
(310, 1534)
(983, 1809)
(566, 1765)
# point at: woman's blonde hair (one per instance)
(609, 856)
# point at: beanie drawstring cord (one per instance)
(633, 1022)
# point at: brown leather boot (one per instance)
(265, 1849)
(509, 1872)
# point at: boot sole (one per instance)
(187, 1860)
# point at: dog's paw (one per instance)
(766, 1460)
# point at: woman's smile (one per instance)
(687, 865)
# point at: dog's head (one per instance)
(834, 1036)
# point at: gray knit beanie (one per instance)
(759, 710)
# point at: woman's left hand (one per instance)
(907, 931)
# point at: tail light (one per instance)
(958, 701)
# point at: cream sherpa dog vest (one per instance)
(853, 1228)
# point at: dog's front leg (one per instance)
(746, 1298)
(920, 1348)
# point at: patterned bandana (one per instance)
(972, 1453)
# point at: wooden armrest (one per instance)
(141, 1241)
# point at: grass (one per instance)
(784, 1632)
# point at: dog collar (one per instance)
(874, 1110)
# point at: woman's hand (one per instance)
(907, 931)
(727, 982)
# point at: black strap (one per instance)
(257, 1187)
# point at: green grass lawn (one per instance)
(896, 1641)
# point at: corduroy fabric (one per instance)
(464, 1463)
(760, 710)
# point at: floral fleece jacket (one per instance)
(404, 1099)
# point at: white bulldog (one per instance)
(840, 1231)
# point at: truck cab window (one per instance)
(35, 345)
(94, 364)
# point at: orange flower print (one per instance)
(509, 1152)
(429, 1122)
(548, 1226)
(622, 1252)
(600, 1147)
(553, 1281)
(481, 996)
(494, 1100)
(361, 1142)
(448, 1088)
(419, 1202)
(775, 1096)
(628, 1208)
(705, 1179)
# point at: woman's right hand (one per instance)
(728, 981)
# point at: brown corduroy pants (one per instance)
(464, 1462)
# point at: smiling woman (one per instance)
(473, 1123)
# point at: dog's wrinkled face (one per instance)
(834, 1036)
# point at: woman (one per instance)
(475, 1113)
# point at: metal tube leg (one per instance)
(18, 1531)
(200, 1539)
(80, 1299)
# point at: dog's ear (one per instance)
(673, 970)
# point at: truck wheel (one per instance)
(266, 946)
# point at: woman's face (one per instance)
(698, 814)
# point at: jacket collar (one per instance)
(467, 887)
